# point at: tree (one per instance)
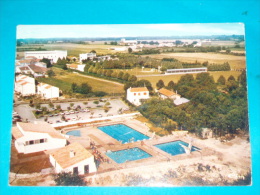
(221, 80)
(93, 51)
(47, 62)
(132, 78)
(74, 87)
(120, 75)
(50, 73)
(171, 85)
(231, 78)
(85, 88)
(130, 50)
(160, 84)
(126, 76)
(69, 179)
(144, 83)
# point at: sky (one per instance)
(128, 30)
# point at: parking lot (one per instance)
(74, 110)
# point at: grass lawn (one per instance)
(64, 79)
(236, 62)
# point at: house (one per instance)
(52, 55)
(47, 91)
(23, 69)
(25, 85)
(165, 93)
(206, 133)
(135, 95)
(36, 137)
(37, 71)
(79, 67)
(85, 56)
(73, 158)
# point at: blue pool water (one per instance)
(74, 133)
(174, 148)
(131, 154)
(123, 133)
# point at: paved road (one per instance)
(25, 111)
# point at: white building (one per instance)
(79, 67)
(128, 43)
(47, 91)
(167, 94)
(73, 158)
(36, 137)
(134, 95)
(85, 56)
(52, 55)
(25, 85)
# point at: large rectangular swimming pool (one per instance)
(175, 148)
(123, 133)
(131, 154)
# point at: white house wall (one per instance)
(89, 161)
(51, 143)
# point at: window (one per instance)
(86, 169)
(138, 93)
(31, 142)
(37, 141)
(75, 170)
(144, 93)
(134, 93)
(42, 140)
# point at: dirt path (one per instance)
(101, 80)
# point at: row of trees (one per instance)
(108, 73)
(224, 111)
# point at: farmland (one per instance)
(64, 79)
(175, 78)
(236, 62)
(76, 49)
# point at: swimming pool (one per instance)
(131, 154)
(74, 133)
(123, 133)
(175, 148)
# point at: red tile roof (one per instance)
(138, 89)
(166, 92)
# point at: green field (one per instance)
(64, 79)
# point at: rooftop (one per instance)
(138, 89)
(40, 127)
(62, 156)
(166, 92)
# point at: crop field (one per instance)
(175, 78)
(63, 80)
(236, 62)
(76, 49)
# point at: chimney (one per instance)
(72, 153)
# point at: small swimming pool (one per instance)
(123, 133)
(131, 154)
(74, 133)
(175, 148)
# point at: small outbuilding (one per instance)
(73, 158)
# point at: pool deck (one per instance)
(104, 143)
